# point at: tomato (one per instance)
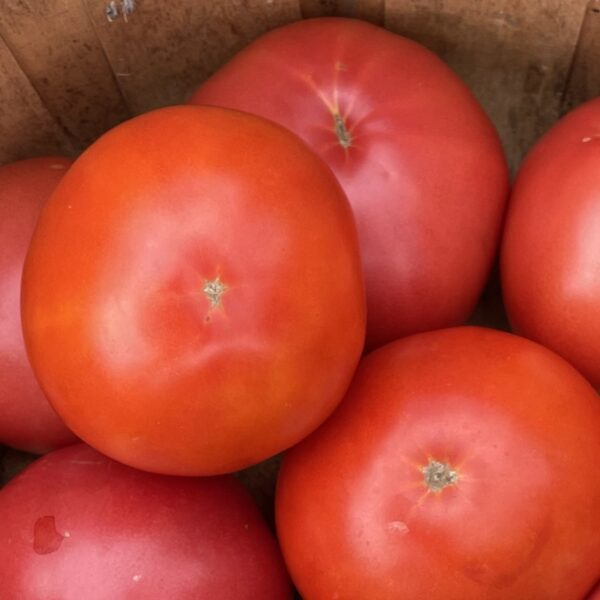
(78, 525)
(193, 299)
(550, 260)
(460, 466)
(595, 595)
(418, 158)
(27, 421)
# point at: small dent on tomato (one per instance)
(46, 539)
(439, 475)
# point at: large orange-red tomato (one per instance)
(419, 160)
(550, 260)
(27, 421)
(460, 466)
(193, 300)
(78, 526)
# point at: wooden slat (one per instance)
(369, 10)
(164, 49)
(584, 78)
(26, 127)
(55, 45)
(515, 55)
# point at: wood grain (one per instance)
(369, 10)
(26, 127)
(584, 77)
(166, 48)
(55, 45)
(515, 55)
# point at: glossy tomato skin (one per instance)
(78, 525)
(421, 163)
(519, 518)
(27, 421)
(198, 269)
(550, 259)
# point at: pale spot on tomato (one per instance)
(398, 527)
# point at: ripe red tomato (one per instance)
(27, 421)
(460, 466)
(595, 595)
(418, 158)
(193, 299)
(76, 525)
(551, 249)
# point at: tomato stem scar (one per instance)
(214, 290)
(439, 475)
(343, 135)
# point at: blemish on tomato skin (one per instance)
(46, 539)
(590, 138)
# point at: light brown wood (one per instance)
(584, 78)
(26, 127)
(164, 49)
(515, 55)
(55, 45)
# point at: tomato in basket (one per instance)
(550, 259)
(418, 158)
(27, 421)
(193, 300)
(462, 465)
(79, 526)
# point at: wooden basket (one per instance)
(71, 69)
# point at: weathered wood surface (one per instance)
(514, 54)
(583, 81)
(27, 128)
(161, 50)
(55, 45)
(71, 69)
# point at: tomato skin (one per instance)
(356, 519)
(150, 372)
(550, 261)
(27, 421)
(78, 525)
(425, 172)
(595, 595)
